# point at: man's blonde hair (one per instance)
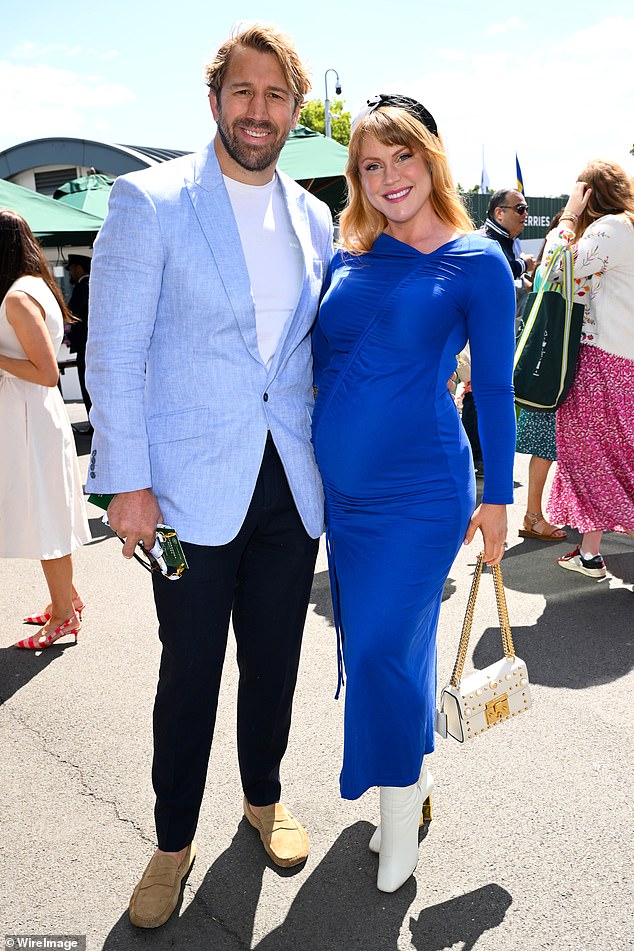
(264, 39)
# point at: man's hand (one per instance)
(134, 516)
(491, 520)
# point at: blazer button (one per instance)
(266, 397)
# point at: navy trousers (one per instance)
(263, 579)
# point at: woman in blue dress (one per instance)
(411, 285)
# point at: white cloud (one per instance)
(513, 23)
(558, 105)
(39, 101)
(452, 56)
(28, 50)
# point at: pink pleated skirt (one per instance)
(593, 487)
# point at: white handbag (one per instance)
(469, 707)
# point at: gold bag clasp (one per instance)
(497, 709)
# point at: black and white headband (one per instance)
(416, 109)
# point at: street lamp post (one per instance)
(327, 116)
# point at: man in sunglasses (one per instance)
(506, 217)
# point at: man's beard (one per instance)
(252, 158)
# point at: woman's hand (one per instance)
(579, 197)
(491, 520)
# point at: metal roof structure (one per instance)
(83, 153)
(157, 155)
(313, 160)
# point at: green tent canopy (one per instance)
(317, 163)
(53, 223)
(309, 154)
(89, 193)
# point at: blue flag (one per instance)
(518, 172)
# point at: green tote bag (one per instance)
(548, 341)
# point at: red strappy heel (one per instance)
(40, 641)
(40, 619)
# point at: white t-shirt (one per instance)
(273, 256)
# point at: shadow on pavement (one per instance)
(460, 920)
(578, 642)
(337, 908)
(320, 596)
(18, 667)
(531, 564)
(583, 637)
(99, 531)
(449, 589)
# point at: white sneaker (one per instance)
(574, 561)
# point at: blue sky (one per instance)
(552, 81)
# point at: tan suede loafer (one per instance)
(156, 896)
(282, 836)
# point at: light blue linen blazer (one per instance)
(182, 401)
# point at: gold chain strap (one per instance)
(503, 615)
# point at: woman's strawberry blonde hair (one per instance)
(361, 223)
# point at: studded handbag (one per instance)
(471, 705)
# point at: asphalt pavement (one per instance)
(531, 844)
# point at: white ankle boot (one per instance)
(426, 783)
(398, 854)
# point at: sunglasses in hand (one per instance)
(165, 558)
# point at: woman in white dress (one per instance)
(42, 512)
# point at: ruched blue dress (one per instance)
(398, 475)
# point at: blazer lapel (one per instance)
(213, 209)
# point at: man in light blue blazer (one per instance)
(205, 282)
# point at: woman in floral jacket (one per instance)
(593, 489)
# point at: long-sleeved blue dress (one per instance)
(398, 475)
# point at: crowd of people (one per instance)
(268, 330)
